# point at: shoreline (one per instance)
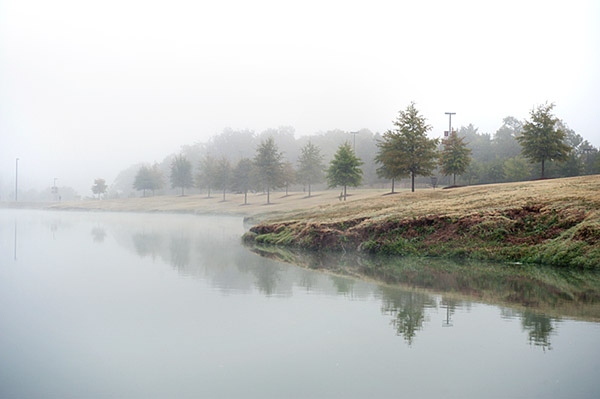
(553, 222)
(550, 222)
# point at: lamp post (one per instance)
(55, 189)
(16, 178)
(450, 121)
(354, 141)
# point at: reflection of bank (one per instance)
(209, 251)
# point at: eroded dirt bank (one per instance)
(555, 223)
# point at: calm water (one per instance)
(172, 306)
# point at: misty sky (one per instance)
(88, 88)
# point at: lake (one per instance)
(99, 305)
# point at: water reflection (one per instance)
(450, 305)
(407, 308)
(557, 292)
(180, 251)
(164, 296)
(15, 252)
(146, 244)
(541, 295)
(98, 234)
(343, 285)
(209, 249)
(539, 328)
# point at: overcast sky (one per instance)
(88, 88)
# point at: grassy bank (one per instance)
(554, 222)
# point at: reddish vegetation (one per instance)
(486, 233)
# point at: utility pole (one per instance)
(450, 121)
(16, 178)
(354, 141)
(55, 189)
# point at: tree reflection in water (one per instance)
(539, 328)
(213, 253)
(180, 251)
(343, 285)
(147, 244)
(98, 234)
(407, 307)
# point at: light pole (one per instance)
(450, 121)
(354, 141)
(55, 189)
(16, 178)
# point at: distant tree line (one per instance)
(242, 161)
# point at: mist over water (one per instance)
(97, 305)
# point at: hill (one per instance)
(554, 222)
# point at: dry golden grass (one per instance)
(280, 203)
(578, 192)
(325, 206)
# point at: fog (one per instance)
(90, 88)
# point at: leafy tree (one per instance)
(578, 159)
(344, 169)
(288, 176)
(473, 172)
(455, 156)
(157, 178)
(268, 166)
(541, 139)
(493, 171)
(310, 166)
(99, 187)
(505, 144)
(242, 177)
(388, 157)
(222, 175)
(589, 154)
(181, 173)
(415, 153)
(516, 169)
(148, 179)
(206, 176)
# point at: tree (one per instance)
(206, 177)
(516, 169)
(242, 177)
(310, 166)
(473, 172)
(541, 139)
(222, 175)
(344, 169)
(99, 187)
(414, 152)
(288, 176)
(181, 173)
(505, 144)
(148, 179)
(455, 156)
(268, 166)
(575, 164)
(388, 157)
